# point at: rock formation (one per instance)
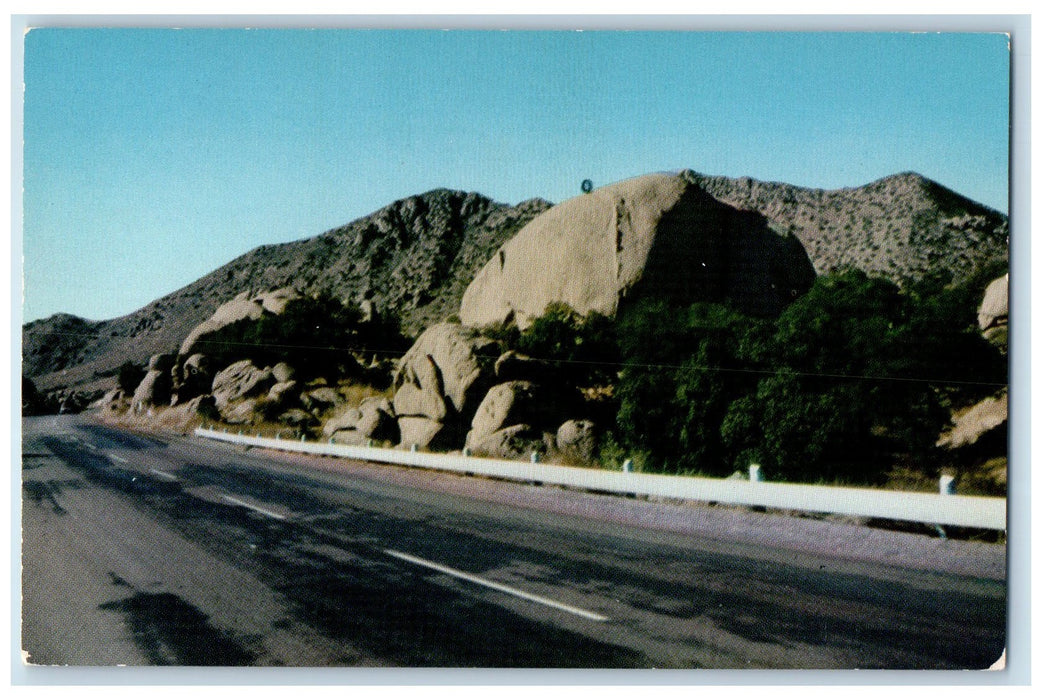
(439, 383)
(657, 235)
(993, 315)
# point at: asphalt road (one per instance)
(141, 551)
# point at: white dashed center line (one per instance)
(115, 457)
(456, 573)
(262, 511)
(165, 475)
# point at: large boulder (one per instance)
(513, 442)
(656, 235)
(377, 419)
(373, 419)
(424, 432)
(244, 306)
(282, 394)
(993, 314)
(441, 380)
(161, 362)
(973, 425)
(192, 378)
(239, 381)
(185, 415)
(505, 405)
(154, 390)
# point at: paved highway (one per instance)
(177, 551)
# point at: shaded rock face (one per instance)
(657, 235)
(155, 388)
(514, 442)
(899, 227)
(993, 314)
(181, 416)
(974, 425)
(243, 307)
(192, 378)
(439, 383)
(240, 380)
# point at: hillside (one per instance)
(413, 259)
(900, 227)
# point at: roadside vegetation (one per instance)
(852, 383)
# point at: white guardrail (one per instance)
(931, 508)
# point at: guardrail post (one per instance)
(754, 473)
(627, 466)
(535, 458)
(278, 435)
(466, 452)
(414, 448)
(303, 437)
(947, 485)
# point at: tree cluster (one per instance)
(854, 375)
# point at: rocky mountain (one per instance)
(411, 260)
(414, 259)
(900, 227)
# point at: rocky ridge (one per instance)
(900, 227)
(411, 260)
(415, 258)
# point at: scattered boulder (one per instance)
(657, 235)
(377, 420)
(514, 442)
(577, 439)
(349, 437)
(182, 416)
(243, 412)
(321, 399)
(346, 419)
(298, 418)
(373, 420)
(113, 401)
(282, 393)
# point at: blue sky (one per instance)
(152, 157)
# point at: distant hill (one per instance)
(412, 260)
(901, 227)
